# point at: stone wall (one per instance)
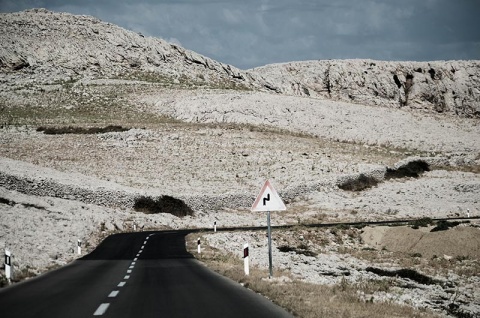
(35, 180)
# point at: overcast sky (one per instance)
(250, 33)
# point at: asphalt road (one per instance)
(147, 274)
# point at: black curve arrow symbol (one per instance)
(266, 199)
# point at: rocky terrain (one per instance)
(440, 86)
(337, 256)
(340, 140)
(60, 47)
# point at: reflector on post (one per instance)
(8, 265)
(245, 259)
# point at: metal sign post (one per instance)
(269, 245)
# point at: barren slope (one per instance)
(438, 87)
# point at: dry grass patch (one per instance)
(300, 298)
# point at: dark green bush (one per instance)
(413, 170)
(423, 222)
(361, 183)
(404, 273)
(163, 204)
(81, 130)
(286, 249)
(444, 225)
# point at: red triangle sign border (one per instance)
(274, 201)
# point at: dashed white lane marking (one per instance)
(101, 309)
(113, 294)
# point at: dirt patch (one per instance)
(460, 241)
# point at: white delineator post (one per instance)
(79, 247)
(8, 265)
(245, 259)
(198, 246)
(215, 227)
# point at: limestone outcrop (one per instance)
(46, 46)
(39, 46)
(451, 87)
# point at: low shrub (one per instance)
(404, 273)
(423, 222)
(444, 225)
(3, 281)
(360, 183)
(301, 249)
(81, 130)
(286, 249)
(413, 170)
(6, 201)
(163, 204)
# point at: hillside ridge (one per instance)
(44, 46)
(63, 46)
(451, 87)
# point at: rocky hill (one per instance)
(47, 46)
(451, 87)
(41, 46)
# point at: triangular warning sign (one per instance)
(268, 200)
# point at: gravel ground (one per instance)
(331, 257)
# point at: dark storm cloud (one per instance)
(251, 33)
